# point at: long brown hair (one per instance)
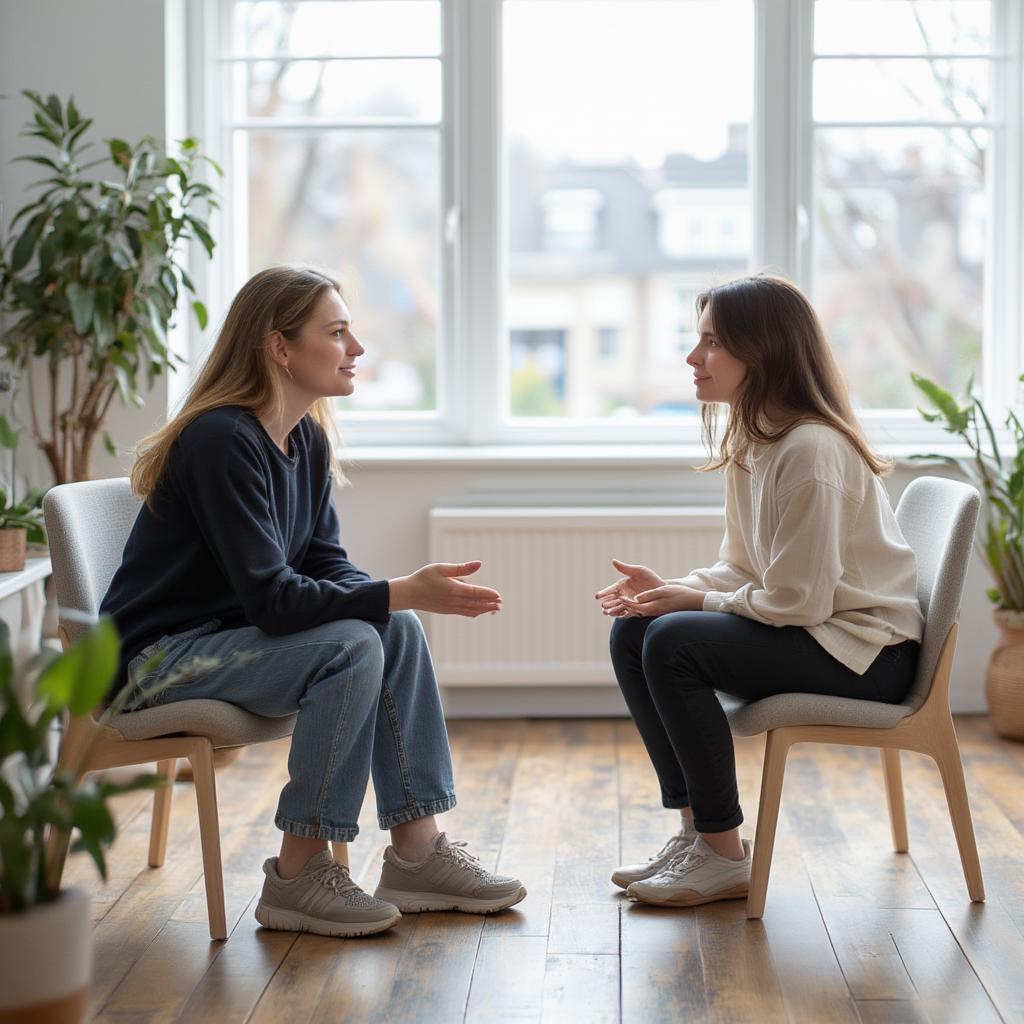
(239, 369)
(791, 376)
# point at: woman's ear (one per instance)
(277, 348)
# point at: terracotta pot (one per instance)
(1004, 682)
(13, 547)
(47, 962)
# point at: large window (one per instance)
(336, 161)
(628, 180)
(524, 197)
(903, 125)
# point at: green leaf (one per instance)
(53, 108)
(955, 416)
(201, 315)
(26, 244)
(108, 443)
(44, 161)
(81, 301)
(203, 235)
(120, 152)
(8, 435)
(81, 676)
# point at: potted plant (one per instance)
(45, 932)
(92, 276)
(1000, 478)
(21, 522)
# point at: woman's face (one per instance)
(322, 360)
(717, 373)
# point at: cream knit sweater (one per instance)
(811, 540)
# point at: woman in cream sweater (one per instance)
(815, 589)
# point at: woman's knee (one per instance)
(355, 646)
(406, 622)
(668, 637)
(627, 636)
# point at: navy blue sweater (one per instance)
(242, 533)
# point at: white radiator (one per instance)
(547, 563)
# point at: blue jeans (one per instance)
(366, 698)
(669, 668)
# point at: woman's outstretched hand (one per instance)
(642, 592)
(438, 587)
(670, 597)
(636, 580)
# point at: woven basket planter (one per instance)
(1004, 682)
(12, 548)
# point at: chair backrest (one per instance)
(938, 518)
(87, 525)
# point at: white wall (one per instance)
(111, 55)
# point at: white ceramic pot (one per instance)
(46, 962)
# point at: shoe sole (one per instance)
(624, 881)
(293, 921)
(424, 902)
(692, 898)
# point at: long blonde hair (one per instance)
(239, 369)
(768, 324)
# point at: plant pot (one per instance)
(13, 547)
(47, 962)
(1004, 681)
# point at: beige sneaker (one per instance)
(702, 876)
(677, 845)
(448, 879)
(322, 899)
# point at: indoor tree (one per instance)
(91, 276)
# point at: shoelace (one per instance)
(336, 878)
(679, 865)
(458, 854)
(673, 843)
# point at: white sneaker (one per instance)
(701, 876)
(678, 845)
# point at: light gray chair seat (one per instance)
(750, 718)
(223, 724)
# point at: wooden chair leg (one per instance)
(775, 753)
(201, 759)
(893, 774)
(946, 755)
(161, 812)
(340, 853)
(74, 740)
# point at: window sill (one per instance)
(544, 455)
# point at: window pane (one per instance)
(363, 205)
(407, 90)
(936, 26)
(628, 188)
(338, 28)
(901, 90)
(899, 256)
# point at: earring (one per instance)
(289, 372)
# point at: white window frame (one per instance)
(473, 337)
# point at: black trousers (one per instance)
(669, 667)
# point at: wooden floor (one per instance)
(851, 930)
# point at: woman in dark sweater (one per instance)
(235, 573)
